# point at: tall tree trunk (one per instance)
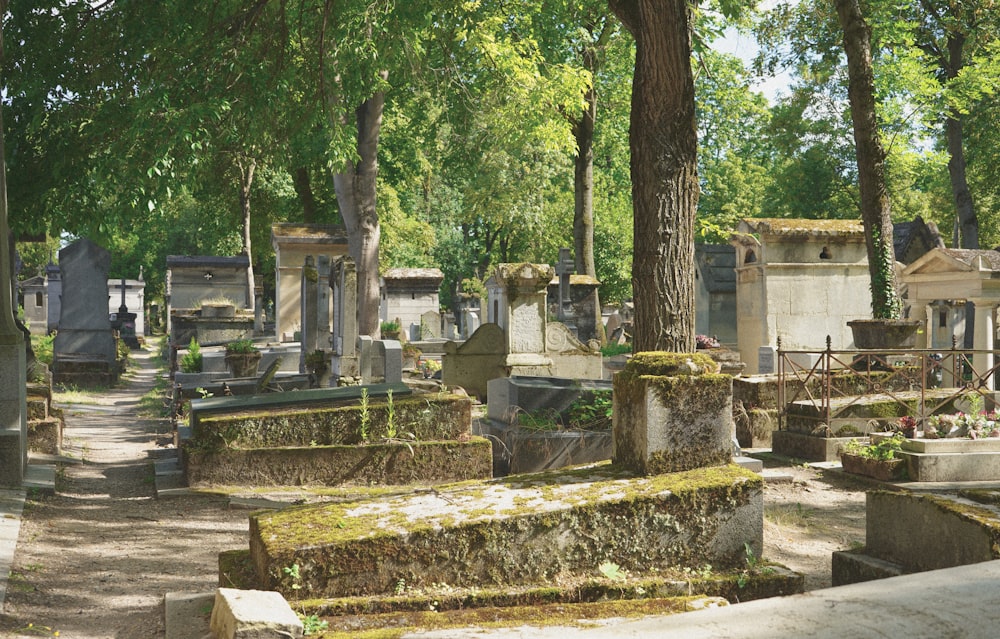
(965, 211)
(663, 144)
(303, 188)
(247, 167)
(355, 187)
(583, 188)
(875, 208)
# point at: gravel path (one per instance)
(95, 560)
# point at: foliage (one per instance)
(610, 350)
(311, 624)
(884, 449)
(591, 411)
(191, 361)
(42, 346)
(365, 416)
(389, 327)
(241, 346)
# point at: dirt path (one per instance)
(95, 560)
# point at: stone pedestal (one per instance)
(13, 411)
(672, 412)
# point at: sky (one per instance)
(745, 47)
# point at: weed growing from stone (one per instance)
(365, 415)
(311, 624)
(390, 416)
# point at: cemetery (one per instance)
(508, 319)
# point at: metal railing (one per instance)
(920, 381)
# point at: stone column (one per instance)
(307, 311)
(324, 339)
(13, 365)
(344, 282)
(983, 338)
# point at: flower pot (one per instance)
(880, 469)
(884, 333)
(243, 364)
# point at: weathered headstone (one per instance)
(565, 268)
(84, 351)
(522, 316)
(344, 285)
(672, 412)
(307, 310)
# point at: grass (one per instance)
(790, 515)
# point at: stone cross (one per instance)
(564, 269)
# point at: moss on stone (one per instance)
(662, 363)
(466, 535)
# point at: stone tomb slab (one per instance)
(523, 530)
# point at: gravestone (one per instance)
(430, 325)
(672, 412)
(53, 296)
(308, 315)
(291, 243)
(387, 362)
(344, 288)
(84, 351)
(518, 293)
(36, 309)
(124, 320)
(131, 294)
(408, 294)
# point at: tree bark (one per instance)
(247, 168)
(875, 206)
(663, 144)
(583, 182)
(355, 187)
(303, 188)
(965, 211)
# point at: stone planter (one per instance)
(884, 333)
(882, 470)
(243, 364)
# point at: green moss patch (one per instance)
(662, 363)
(387, 463)
(431, 417)
(531, 529)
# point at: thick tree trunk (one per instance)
(355, 187)
(965, 211)
(247, 168)
(875, 209)
(303, 188)
(663, 144)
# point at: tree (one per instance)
(875, 208)
(663, 145)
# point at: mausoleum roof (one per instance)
(990, 257)
(793, 227)
(295, 232)
(414, 274)
(196, 261)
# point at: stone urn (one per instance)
(243, 364)
(884, 333)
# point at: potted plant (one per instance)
(242, 358)
(390, 330)
(411, 355)
(878, 459)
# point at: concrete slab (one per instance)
(40, 478)
(249, 614)
(929, 605)
(11, 508)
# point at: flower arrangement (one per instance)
(975, 424)
(705, 341)
(429, 367)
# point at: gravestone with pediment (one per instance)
(84, 351)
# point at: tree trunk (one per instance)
(303, 188)
(875, 208)
(247, 167)
(663, 144)
(583, 189)
(965, 212)
(355, 187)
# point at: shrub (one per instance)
(191, 361)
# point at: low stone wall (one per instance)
(910, 532)
(528, 529)
(414, 463)
(428, 417)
